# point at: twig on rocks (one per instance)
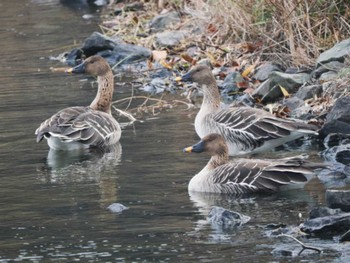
(304, 247)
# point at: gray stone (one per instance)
(327, 226)
(164, 21)
(293, 103)
(338, 199)
(169, 38)
(262, 89)
(308, 92)
(117, 208)
(289, 81)
(125, 54)
(328, 76)
(223, 218)
(337, 53)
(97, 42)
(338, 118)
(323, 211)
(345, 237)
(272, 95)
(263, 72)
(334, 66)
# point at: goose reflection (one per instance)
(88, 166)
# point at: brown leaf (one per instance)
(188, 58)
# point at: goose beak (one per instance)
(77, 69)
(196, 148)
(187, 149)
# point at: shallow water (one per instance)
(53, 205)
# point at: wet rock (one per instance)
(338, 199)
(164, 21)
(157, 85)
(308, 92)
(169, 38)
(291, 82)
(345, 237)
(323, 212)
(338, 119)
(117, 208)
(337, 148)
(125, 54)
(337, 53)
(97, 42)
(327, 226)
(284, 251)
(75, 57)
(338, 175)
(334, 66)
(223, 218)
(263, 72)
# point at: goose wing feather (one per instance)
(247, 176)
(81, 124)
(251, 126)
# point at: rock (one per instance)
(157, 85)
(75, 57)
(284, 251)
(125, 54)
(291, 82)
(335, 139)
(337, 53)
(272, 95)
(169, 38)
(327, 226)
(345, 237)
(308, 92)
(338, 118)
(334, 66)
(223, 218)
(293, 103)
(117, 208)
(323, 212)
(262, 73)
(338, 199)
(132, 7)
(262, 89)
(97, 42)
(164, 21)
(328, 76)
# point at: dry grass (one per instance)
(293, 32)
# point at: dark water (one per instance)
(53, 206)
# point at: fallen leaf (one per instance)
(284, 91)
(159, 55)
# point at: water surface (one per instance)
(53, 205)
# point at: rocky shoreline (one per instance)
(319, 94)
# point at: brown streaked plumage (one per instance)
(245, 130)
(81, 126)
(244, 176)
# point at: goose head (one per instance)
(214, 144)
(200, 74)
(94, 65)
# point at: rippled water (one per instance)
(53, 205)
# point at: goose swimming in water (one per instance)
(244, 176)
(245, 130)
(85, 126)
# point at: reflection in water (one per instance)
(85, 166)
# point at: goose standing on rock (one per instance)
(83, 127)
(245, 130)
(244, 176)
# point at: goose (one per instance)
(246, 130)
(245, 176)
(82, 127)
